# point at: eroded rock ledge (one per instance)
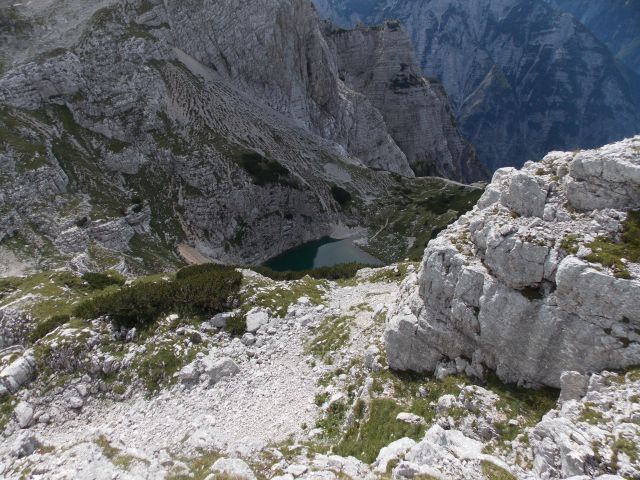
(521, 285)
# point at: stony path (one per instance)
(270, 400)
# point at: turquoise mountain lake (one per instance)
(321, 253)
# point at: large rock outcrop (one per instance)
(515, 286)
(380, 63)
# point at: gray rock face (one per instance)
(24, 445)
(379, 62)
(499, 288)
(509, 69)
(154, 123)
(23, 414)
(573, 386)
(19, 373)
(256, 318)
(605, 178)
(567, 445)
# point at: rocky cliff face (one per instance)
(523, 78)
(379, 62)
(616, 23)
(134, 123)
(541, 277)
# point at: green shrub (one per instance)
(206, 294)
(491, 471)
(236, 325)
(335, 272)
(42, 329)
(610, 253)
(375, 428)
(194, 270)
(7, 406)
(99, 281)
(158, 367)
(141, 304)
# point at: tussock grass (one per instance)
(332, 334)
(610, 253)
(491, 471)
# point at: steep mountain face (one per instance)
(543, 276)
(130, 126)
(522, 77)
(379, 62)
(615, 22)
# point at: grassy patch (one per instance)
(114, 454)
(591, 415)
(331, 335)
(157, 366)
(391, 274)
(278, 298)
(236, 325)
(374, 424)
(628, 447)
(526, 405)
(610, 253)
(7, 405)
(490, 471)
(42, 329)
(331, 423)
(570, 244)
(375, 427)
(200, 466)
(53, 294)
(100, 281)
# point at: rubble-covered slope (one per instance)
(194, 396)
(542, 276)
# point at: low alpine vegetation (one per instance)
(611, 254)
(335, 272)
(195, 292)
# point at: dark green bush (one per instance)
(335, 272)
(340, 195)
(236, 325)
(47, 326)
(141, 304)
(98, 281)
(194, 270)
(207, 293)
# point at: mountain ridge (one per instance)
(523, 79)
